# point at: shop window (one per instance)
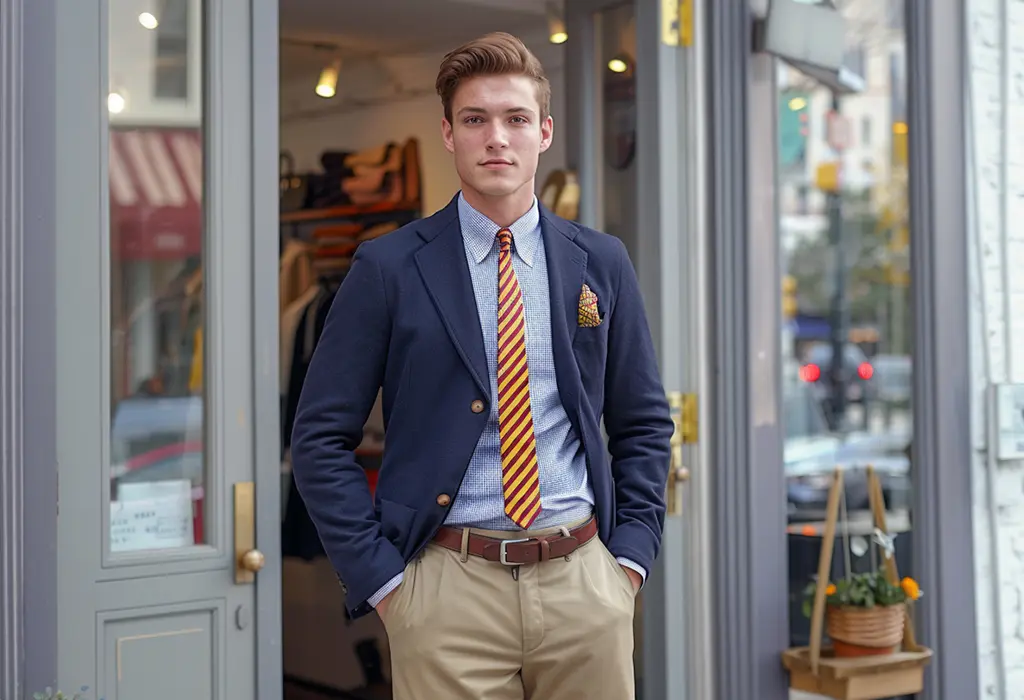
(847, 324)
(157, 298)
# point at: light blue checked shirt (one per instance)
(566, 494)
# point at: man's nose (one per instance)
(497, 137)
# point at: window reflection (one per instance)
(846, 336)
(157, 310)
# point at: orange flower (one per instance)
(831, 589)
(910, 588)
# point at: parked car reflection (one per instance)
(812, 451)
(157, 441)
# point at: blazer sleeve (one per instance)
(341, 385)
(638, 423)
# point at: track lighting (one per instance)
(327, 86)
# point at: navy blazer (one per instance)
(405, 319)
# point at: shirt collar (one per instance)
(480, 233)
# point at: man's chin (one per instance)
(493, 190)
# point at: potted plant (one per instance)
(865, 613)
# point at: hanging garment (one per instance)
(296, 273)
(288, 325)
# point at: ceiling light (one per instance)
(148, 20)
(115, 103)
(617, 65)
(327, 86)
(556, 25)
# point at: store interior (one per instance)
(361, 155)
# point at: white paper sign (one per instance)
(154, 515)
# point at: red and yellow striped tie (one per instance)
(519, 474)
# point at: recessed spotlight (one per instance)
(148, 20)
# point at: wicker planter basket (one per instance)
(859, 631)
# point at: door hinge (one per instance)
(690, 422)
(684, 411)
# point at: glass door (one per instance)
(632, 102)
(156, 423)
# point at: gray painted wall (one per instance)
(28, 468)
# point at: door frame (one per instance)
(670, 262)
(940, 216)
(266, 410)
(28, 345)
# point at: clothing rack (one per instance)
(317, 249)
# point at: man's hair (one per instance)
(492, 54)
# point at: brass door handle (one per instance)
(248, 559)
(253, 560)
(677, 475)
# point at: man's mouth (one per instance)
(496, 163)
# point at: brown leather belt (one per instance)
(513, 552)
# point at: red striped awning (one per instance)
(156, 193)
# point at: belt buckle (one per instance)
(503, 550)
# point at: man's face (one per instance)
(497, 134)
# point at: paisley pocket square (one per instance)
(588, 316)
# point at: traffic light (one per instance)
(789, 302)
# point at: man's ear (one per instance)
(547, 132)
(447, 135)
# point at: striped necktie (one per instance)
(519, 473)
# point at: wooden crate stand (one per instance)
(816, 670)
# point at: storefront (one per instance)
(182, 183)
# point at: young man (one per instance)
(504, 548)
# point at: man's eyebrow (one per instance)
(481, 110)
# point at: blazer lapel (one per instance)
(567, 267)
(442, 264)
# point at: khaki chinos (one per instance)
(461, 627)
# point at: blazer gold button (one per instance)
(444, 499)
(477, 406)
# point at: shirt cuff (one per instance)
(635, 567)
(385, 589)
